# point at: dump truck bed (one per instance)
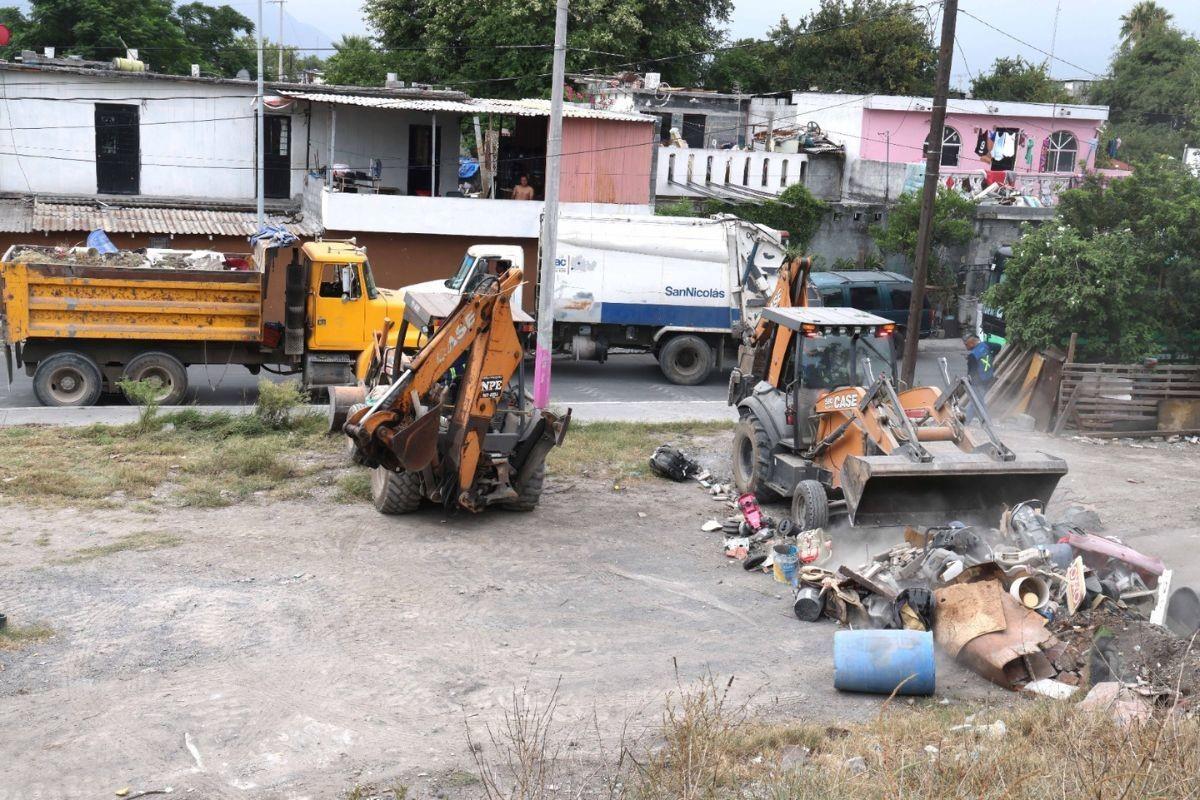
(46, 300)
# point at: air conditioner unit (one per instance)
(652, 80)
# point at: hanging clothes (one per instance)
(981, 146)
(1112, 148)
(1010, 145)
(1044, 158)
(998, 148)
(1029, 151)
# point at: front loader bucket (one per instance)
(973, 487)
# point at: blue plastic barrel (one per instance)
(878, 661)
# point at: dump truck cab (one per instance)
(834, 431)
(344, 305)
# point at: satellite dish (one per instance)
(243, 74)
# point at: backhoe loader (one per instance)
(822, 422)
(447, 425)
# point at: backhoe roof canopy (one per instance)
(824, 317)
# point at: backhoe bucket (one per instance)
(973, 487)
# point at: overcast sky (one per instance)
(1087, 30)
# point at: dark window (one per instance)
(832, 297)
(864, 297)
(951, 144)
(421, 177)
(118, 150)
(664, 130)
(693, 130)
(277, 161)
(901, 298)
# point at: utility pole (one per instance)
(545, 321)
(933, 159)
(258, 159)
(279, 70)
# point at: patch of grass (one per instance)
(203, 496)
(1051, 749)
(42, 540)
(140, 542)
(354, 487)
(145, 395)
(622, 449)
(14, 637)
(277, 403)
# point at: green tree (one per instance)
(857, 46)
(1018, 79)
(1121, 268)
(470, 43)
(795, 211)
(102, 29)
(1143, 17)
(747, 65)
(14, 19)
(1153, 94)
(213, 35)
(356, 62)
(953, 226)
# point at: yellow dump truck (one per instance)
(79, 321)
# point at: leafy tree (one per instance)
(1121, 269)
(1143, 17)
(356, 62)
(795, 211)
(1018, 79)
(953, 226)
(1152, 93)
(12, 18)
(857, 46)
(213, 36)
(469, 43)
(747, 65)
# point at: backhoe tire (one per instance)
(396, 492)
(530, 493)
(163, 369)
(686, 360)
(352, 452)
(810, 506)
(752, 458)
(67, 379)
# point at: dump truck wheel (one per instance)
(686, 360)
(810, 506)
(530, 494)
(163, 369)
(752, 458)
(395, 492)
(67, 379)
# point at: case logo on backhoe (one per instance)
(840, 401)
(456, 336)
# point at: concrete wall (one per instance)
(839, 115)
(757, 170)
(196, 139)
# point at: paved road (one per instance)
(627, 388)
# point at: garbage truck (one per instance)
(680, 288)
(78, 321)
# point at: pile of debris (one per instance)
(141, 258)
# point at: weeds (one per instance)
(354, 487)
(622, 449)
(527, 751)
(278, 402)
(141, 542)
(14, 637)
(146, 395)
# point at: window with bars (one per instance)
(1063, 152)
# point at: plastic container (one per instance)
(879, 661)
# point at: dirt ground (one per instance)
(297, 649)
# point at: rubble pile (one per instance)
(142, 258)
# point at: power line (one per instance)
(1027, 44)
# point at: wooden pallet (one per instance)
(1109, 396)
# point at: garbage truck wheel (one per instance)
(530, 493)
(810, 506)
(686, 360)
(395, 492)
(752, 458)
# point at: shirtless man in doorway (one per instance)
(523, 191)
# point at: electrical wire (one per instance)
(1049, 55)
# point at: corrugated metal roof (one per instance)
(52, 217)
(519, 108)
(16, 216)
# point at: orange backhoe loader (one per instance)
(449, 426)
(822, 423)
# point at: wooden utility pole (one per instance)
(545, 321)
(933, 159)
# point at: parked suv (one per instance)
(886, 294)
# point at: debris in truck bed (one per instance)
(142, 258)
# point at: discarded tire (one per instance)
(810, 506)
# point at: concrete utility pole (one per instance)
(279, 70)
(545, 321)
(933, 159)
(259, 177)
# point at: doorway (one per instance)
(277, 160)
(118, 149)
(423, 174)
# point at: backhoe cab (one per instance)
(829, 428)
(448, 425)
